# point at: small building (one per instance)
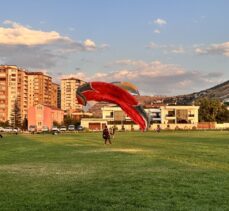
(42, 115)
(179, 114)
(176, 116)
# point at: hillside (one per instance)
(220, 91)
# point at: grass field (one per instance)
(139, 171)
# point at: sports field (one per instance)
(139, 171)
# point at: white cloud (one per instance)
(129, 62)
(167, 48)
(137, 69)
(157, 31)
(34, 49)
(216, 49)
(152, 45)
(89, 44)
(17, 34)
(160, 21)
(79, 75)
(178, 50)
(200, 51)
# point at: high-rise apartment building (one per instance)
(39, 89)
(13, 92)
(68, 94)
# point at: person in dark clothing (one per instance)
(106, 135)
(1, 136)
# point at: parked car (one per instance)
(63, 128)
(32, 128)
(55, 129)
(8, 129)
(79, 128)
(45, 129)
(71, 127)
(11, 130)
(16, 130)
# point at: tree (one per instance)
(68, 120)
(15, 115)
(223, 115)
(212, 110)
(4, 124)
(55, 123)
(25, 124)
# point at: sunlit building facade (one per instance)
(13, 92)
(39, 89)
(43, 116)
(68, 94)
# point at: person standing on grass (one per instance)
(158, 129)
(106, 135)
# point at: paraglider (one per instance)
(102, 91)
(131, 88)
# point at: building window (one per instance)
(171, 121)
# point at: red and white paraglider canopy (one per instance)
(108, 92)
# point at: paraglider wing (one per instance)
(101, 91)
(132, 89)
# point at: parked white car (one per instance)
(10, 130)
(63, 128)
(45, 129)
(55, 128)
(71, 127)
(32, 128)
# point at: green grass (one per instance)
(139, 171)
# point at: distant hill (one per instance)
(220, 91)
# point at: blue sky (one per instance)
(164, 47)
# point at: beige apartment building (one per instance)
(39, 89)
(68, 94)
(25, 89)
(13, 92)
